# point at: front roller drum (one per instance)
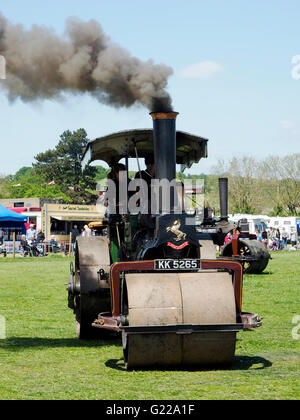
(176, 350)
(203, 301)
(92, 294)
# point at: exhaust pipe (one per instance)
(164, 138)
(223, 190)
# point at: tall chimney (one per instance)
(223, 189)
(164, 138)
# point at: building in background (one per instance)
(28, 207)
(54, 217)
(59, 219)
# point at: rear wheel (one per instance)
(250, 248)
(85, 315)
(90, 293)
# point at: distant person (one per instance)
(1, 236)
(228, 238)
(75, 233)
(3, 251)
(294, 238)
(86, 232)
(40, 242)
(24, 241)
(54, 246)
(40, 236)
(147, 175)
(31, 231)
(284, 238)
(32, 241)
(112, 201)
(265, 237)
(24, 246)
(35, 249)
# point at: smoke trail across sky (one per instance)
(42, 65)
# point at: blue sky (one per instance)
(232, 78)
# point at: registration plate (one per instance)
(177, 265)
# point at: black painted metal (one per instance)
(183, 329)
(223, 189)
(164, 137)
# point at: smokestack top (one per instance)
(164, 115)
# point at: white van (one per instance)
(256, 222)
(286, 223)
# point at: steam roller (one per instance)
(184, 300)
(153, 276)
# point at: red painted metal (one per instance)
(120, 267)
(178, 247)
(18, 209)
(235, 244)
(115, 271)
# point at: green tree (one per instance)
(27, 183)
(101, 173)
(63, 166)
(244, 184)
(24, 173)
(3, 183)
(283, 176)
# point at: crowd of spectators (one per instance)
(34, 243)
(276, 240)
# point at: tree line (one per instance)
(267, 186)
(57, 174)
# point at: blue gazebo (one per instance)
(11, 222)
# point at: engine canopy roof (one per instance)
(114, 147)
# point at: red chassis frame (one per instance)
(113, 321)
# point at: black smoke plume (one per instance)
(42, 65)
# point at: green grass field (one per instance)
(41, 357)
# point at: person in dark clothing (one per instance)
(24, 249)
(147, 175)
(35, 249)
(112, 201)
(115, 207)
(40, 236)
(54, 246)
(32, 241)
(265, 237)
(24, 241)
(1, 236)
(75, 233)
